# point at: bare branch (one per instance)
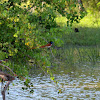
(6, 77)
(8, 69)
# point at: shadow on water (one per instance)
(77, 73)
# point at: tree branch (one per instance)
(4, 89)
(8, 69)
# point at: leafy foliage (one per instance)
(26, 23)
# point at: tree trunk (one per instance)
(81, 8)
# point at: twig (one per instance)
(8, 69)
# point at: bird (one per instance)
(45, 46)
(76, 30)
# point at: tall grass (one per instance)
(79, 48)
(89, 31)
(78, 55)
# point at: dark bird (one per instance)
(76, 30)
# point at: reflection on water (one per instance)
(77, 74)
(83, 84)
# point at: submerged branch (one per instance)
(4, 89)
(5, 77)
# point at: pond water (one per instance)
(83, 84)
(75, 81)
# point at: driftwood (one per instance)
(6, 77)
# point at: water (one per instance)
(77, 74)
(83, 84)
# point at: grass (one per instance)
(89, 31)
(73, 56)
(81, 47)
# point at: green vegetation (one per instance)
(88, 34)
(26, 24)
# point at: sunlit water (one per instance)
(83, 84)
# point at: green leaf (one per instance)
(15, 35)
(98, 4)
